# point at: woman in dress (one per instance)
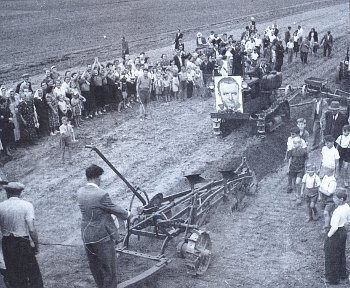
(52, 104)
(6, 126)
(27, 117)
(42, 111)
(13, 101)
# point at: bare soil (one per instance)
(265, 245)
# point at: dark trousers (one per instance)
(335, 259)
(102, 262)
(22, 269)
(327, 48)
(189, 89)
(303, 57)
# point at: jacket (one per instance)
(96, 208)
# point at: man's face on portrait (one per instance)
(229, 93)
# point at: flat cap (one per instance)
(14, 186)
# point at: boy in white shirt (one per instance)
(330, 156)
(309, 187)
(327, 189)
(343, 146)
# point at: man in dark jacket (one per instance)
(334, 120)
(99, 231)
(327, 41)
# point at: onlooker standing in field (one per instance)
(335, 242)
(17, 225)
(327, 189)
(13, 102)
(297, 157)
(290, 48)
(99, 232)
(327, 42)
(85, 81)
(26, 82)
(67, 137)
(27, 118)
(287, 37)
(52, 103)
(313, 38)
(319, 106)
(343, 146)
(309, 187)
(125, 48)
(144, 88)
(178, 36)
(42, 111)
(296, 43)
(330, 156)
(304, 50)
(6, 126)
(334, 120)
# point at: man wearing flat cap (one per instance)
(334, 120)
(17, 228)
(25, 81)
(99, 231)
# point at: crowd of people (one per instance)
(64, 101)
(324, 186)
(27, 113)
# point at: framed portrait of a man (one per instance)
(228, 93)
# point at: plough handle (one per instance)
(99, 153)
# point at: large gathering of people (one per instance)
(62, 101)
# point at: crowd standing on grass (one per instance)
(64, 101)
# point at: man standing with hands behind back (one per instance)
(98, 229)
(17, 224)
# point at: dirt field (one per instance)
(265, 245)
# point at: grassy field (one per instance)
(36, 34)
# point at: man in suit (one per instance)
(99, 231)
(318, 110)
(327, 41)
(178, 36)
(334, 120)
(179, 60)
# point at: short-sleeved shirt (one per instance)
(144, 83)
(329, 156)
(14, 214)
(343, 141)
(298, 158)
(311, 181)
(341, 216)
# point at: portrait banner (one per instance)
(228, 93)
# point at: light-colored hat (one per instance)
(14, 186)
(335, 105)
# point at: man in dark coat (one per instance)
(327, 41)
(334, 120)
(178, 36)
(26, 80)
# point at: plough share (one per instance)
(182, 215)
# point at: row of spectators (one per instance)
(26, 114)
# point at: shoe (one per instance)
(90, 116)
(316, 217)
(289, 190)
(96, 114)
(309, 220)
(52, 134)
(100, 113)
(104, 111)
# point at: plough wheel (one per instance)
(196, 252)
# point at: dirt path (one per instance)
(154, 155)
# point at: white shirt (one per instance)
(340, 217)
(311, 180)
(14, 214)
(329, 156)
(328, 185)
(343, 141)
(290, 45)
(290, 144)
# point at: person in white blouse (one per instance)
(335, 242)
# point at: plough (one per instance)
(182, 215)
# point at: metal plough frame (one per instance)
(183, 213)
